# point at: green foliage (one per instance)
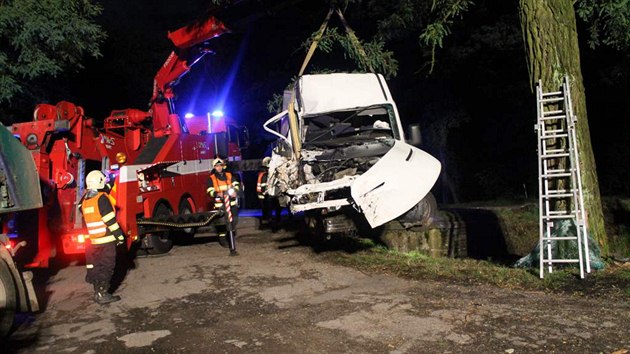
(431, 19)
(44, 38)
(368, 56)
(608, 22)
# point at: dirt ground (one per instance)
(279, 296)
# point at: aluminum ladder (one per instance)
(560, 194)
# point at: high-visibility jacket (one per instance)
(218, 186)
(100, 219)
(261, 185)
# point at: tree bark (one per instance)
(551, 42)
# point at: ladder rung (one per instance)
(560, 238)
(554, 136)
(552, 191)
(560, 212)
(562, 116)
(552, 99)
(560, 170)
(552, 93)
(561, 260)
(552, 175)
(553, 131)
(557, 195)
(550, 113)
(555, 151)
(559, 217)
(563, 195)
(551, 156)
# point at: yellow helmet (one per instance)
(95, 180)
(217, 161)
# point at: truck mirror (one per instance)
(415, 137)
(221, 144)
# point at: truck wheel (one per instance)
(160, 243)
(8, 299)
(184, 209)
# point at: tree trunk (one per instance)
(551, 43)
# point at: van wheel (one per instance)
(160, 243)
(8, 299)
(422, 213)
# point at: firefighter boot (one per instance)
(102, 296)
(223, 240)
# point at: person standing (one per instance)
(268, 203)
(105, 234)
(220, 184)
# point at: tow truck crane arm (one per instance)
(191, 43)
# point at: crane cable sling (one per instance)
(293, 122)
(355, 41)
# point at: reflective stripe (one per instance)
(92, 216)
(104, 239)
(260, 196)
(113, 227)
(98, 231)
(89, 266)
(109, 216)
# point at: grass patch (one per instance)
(519, 228)
(613, 281)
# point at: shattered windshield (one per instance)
(348, 126)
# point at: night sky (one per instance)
(479, 92)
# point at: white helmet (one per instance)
(217, 161)
(265, 161)
(95, 180)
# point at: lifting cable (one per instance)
(293, 121)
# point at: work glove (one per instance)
(232, 192)
(120, 237)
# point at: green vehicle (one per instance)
(18, 177)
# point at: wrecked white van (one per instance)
(342, 156)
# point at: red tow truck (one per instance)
(160, 162)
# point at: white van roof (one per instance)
(324, 93)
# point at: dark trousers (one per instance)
(100, 261)
(270, 204)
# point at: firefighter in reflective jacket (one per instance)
(268, 203)
(223, 183)
(104, 235)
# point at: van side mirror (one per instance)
(414, 136)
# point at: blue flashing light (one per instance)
(188, 115)
(217, 114)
